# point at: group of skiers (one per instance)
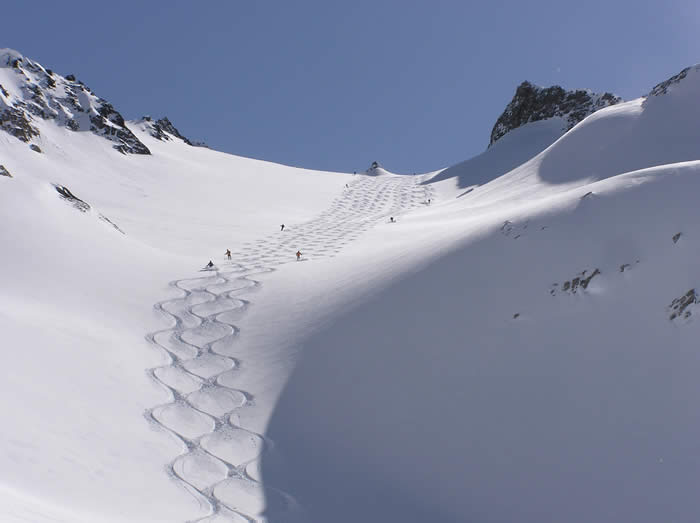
(227, 254)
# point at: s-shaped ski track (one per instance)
(220, 461)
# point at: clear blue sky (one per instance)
(335, 85)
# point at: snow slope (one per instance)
(77, 300)
(519, 351)
(481, 387)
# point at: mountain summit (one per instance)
(532, 103)
(28, 92)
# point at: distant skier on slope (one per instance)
(282, 227)
(298, 255)
(228, 253)
(392, 220)
(209, 265)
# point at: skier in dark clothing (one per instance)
(228, 253)
(282, 227)
(298, 255)
(209, 265)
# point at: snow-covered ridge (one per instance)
(665, 86)
(29, 92)
(532, 103)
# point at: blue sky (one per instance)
(335, 85)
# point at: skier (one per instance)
(298, 255)
(209, 265)
(282, 227)
(392, 219)
(228, 253)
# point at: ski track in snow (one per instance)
(221, 458)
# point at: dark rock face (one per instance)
(39, 93)
(4, 171)
(662, 88)
(34, 147)
(163, 126)
(581, 281)
(16, 122)
(532, 103)
(69, 197)
(679, 307)
(110, 124)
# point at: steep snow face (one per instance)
(501, 384)
(512, 150)
(532, 103)
(29, 93)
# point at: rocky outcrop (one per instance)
(110, 124)
(680, 307)
(14, 121)
(4, 171)
(163, 129)
(69, 197)
(663, 87)
(581, 281)
(532, 103)
(36, 93)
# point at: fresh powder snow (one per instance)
(513, 338)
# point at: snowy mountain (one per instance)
(509, 339)
(29, 92)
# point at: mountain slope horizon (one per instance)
(196, 336)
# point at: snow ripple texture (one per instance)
(220, 462)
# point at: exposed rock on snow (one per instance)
(373, 167)
(110, 124)
(164, 130)
(110, 222)
(679, 307)
(68, 196)
(676, 237)
(663, 87)
(35, 92)
(17, 123)
(582, 281)
(514, 230)
(4, 171)
(532, 103)
(34, 147)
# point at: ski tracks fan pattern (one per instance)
(221, 458)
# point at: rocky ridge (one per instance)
(532, 103)
(31, 92)
(663, 87)
(164, 130)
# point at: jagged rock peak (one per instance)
(164, 130)
(664, 87)
(30, 93)
(532, 103)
